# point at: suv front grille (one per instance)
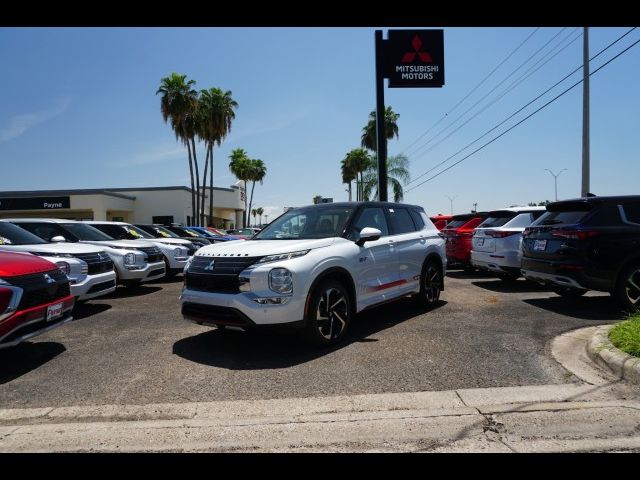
(97, 262)
(37, 290)
(217, 274)
(153, 254)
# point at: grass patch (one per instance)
(626, 336)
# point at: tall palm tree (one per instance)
(397, 175)
(258, 172)
(240, 166)
(348, 172)
(176, 106)
(260, 211)
(358, 159)
(216, 115)
(254, 214)
(368, 139)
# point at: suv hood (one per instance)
(260, 248)
(120, 243)
(62, 247)
(171, 241)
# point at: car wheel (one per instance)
(329, 313)
(430, 284)
(569, 292)
(627, 291)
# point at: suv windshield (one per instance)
(12, 235)
(86, 232)
(307, 223)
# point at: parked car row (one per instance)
(572, 246)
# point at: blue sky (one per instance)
(79, 110)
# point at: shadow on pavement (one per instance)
(126, 292)
(516, 286)
(466, 274)
(84, 310)
(600, 308)
(24, 357)
(236, 350)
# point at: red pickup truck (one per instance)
(34, 297)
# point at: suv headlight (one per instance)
(65, 267)
(180, 252)
(282, 256)
(130, 259)
(281, 281)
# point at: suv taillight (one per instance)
(499, 233)
(575, 234)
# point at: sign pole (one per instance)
(381, 139)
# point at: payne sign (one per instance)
(413, 58)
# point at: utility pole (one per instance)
(381, 137)
(585, 113)
(451, 199)
(555, 179)
(266, 218)
(475, 207)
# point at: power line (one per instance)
(523, 107)
(488, 93)
(511, 87)
(473, 89)
(525, 118)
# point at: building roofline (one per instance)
(83, 191)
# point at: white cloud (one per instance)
(21, 123)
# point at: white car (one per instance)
(496, 241)
(89, 268)
(135, 261)
(316, 267)
(176, 250)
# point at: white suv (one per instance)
(316, 267)
(496, 241)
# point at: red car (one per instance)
(441, 221)
(458, 235)
(34, 297)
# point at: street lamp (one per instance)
(451, 199)
(555, 179)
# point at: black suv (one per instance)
(585, 244)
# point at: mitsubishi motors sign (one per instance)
(414, 58)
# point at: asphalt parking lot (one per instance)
(133, 347)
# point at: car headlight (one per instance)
(130, 259)
(65, 267)
(179, 252)
(281, 280)
(282, 256)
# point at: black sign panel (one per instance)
(414, 58)
(34, 203)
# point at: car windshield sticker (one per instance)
(163, 234)
(5, 241)
(132, 232)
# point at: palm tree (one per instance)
(216, 115)
(258, 172)
(260, 211)
(240, 166)
(358, 159)
(177, 107)
(348, 173)
(368, 139)
(397, 175)
(254, 213)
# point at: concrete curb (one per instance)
(601, 350)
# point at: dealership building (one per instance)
(135, 205)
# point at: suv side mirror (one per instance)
(58, 239)
(368, 234)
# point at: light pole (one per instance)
(475, 207)
(555, 179)
(266, 218)
(451, 199)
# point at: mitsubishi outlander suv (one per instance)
(316, 267)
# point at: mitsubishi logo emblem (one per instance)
(211, 265)
(409, 57)
(48, 279)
